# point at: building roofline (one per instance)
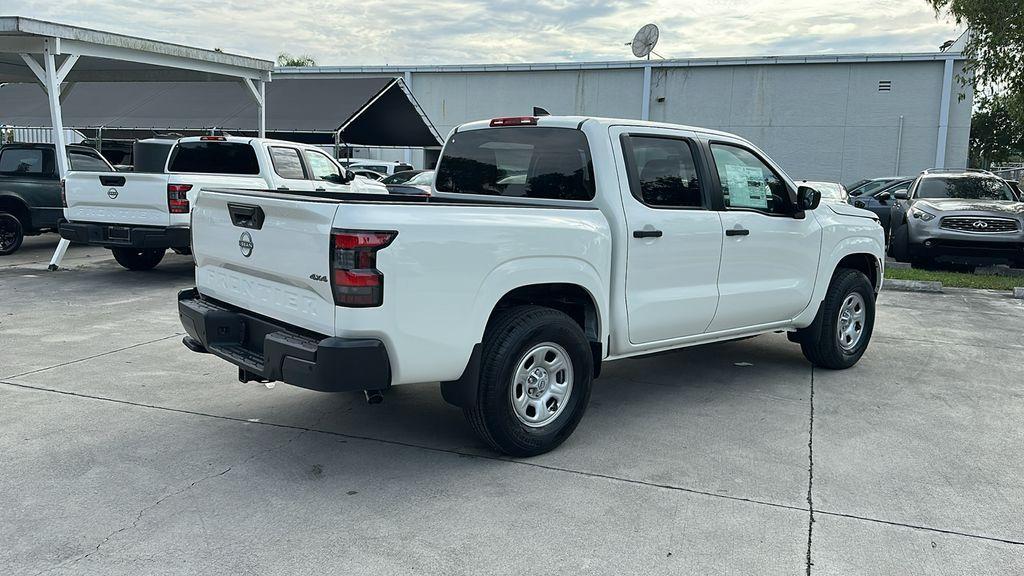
(20, 25)
(628, 64)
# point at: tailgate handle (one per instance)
(112, 180)
(246, 216)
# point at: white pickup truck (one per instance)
(551, 245)
(140, 215)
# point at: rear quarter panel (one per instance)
(450, 265)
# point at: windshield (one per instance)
(400, 177)
(424, 178)
(965, 187)
(530, 162)
(871, 187)
(829, 190)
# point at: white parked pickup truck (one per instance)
(552, 245)
(140, 215)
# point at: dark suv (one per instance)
(30, 201)
(969, 216)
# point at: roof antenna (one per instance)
(538, 111)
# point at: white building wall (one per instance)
(820, 121)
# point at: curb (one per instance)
(912, 285)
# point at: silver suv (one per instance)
(963, 216)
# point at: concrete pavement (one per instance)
(124, 453)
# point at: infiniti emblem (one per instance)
(980, 224)
(112, 193)
(245, 244)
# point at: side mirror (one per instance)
(343, 178)
(900, 195)
(883, 197)
(807, 198)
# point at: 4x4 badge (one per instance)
(245, 244)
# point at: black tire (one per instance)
(899, 246)
(820, 341)
(138, 259)
(508, 338)
(12, 233)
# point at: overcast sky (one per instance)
(369, 32)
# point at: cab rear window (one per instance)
(214, 158)
(522, 162)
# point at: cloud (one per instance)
(376, 32)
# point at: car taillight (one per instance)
(514, 121)
(355, 280)
(177, 201)
(63, 193)
(213, 139)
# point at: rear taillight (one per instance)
(355, 280)
(514, 121)
(64, 193)
(213, 139)
(177, 199)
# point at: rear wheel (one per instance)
(842, 329)
(535, 375)
(137, 259)
(12, 233)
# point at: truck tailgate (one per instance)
(269, 254)
(117, 198)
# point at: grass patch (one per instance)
(956, 279)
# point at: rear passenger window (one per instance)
(87, 163)
(663, 173)
(287, 163)
(212, 157)
(522, 162)
(24, 161)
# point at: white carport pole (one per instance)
(258, 90)
(50, 77)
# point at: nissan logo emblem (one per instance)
(245, 244)
(112, 193)
(980, 224)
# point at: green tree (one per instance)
(997, 135)
(286, 59)
(994, 48)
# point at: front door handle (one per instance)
(737, 232)
(646, 233)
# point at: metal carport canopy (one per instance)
(57, 56)
(376, 111)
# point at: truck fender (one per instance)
(852, 245)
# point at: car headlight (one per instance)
(918, 213)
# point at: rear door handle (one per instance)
(737, 232)
(646, 233)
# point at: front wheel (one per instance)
(12, 233)
(137, 259)
(535, 375)
(842, 328)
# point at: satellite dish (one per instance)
(644, 41)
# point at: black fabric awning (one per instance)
(367, 111)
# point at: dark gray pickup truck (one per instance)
(30, 190)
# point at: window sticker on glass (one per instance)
(747, 188)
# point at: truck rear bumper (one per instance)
(114, 236)
(268, 350)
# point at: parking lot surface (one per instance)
(124, 453)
